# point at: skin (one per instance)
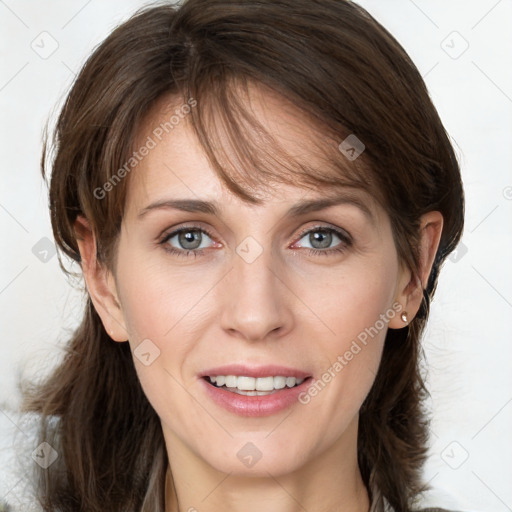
(287, 307)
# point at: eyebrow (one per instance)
(315, 205)
(302, 208)
(186, 205)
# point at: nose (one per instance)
(257, 304)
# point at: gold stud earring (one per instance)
(404, 318)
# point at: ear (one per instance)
(410, 288)
(100, 282)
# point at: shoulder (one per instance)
(440, 498)
(441, 509)
(435, 509)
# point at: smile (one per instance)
(254, 391)
(251, 386)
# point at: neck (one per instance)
(331, 481)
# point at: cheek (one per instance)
(349, 298)
(161, 311)
(169, 307)
(157, 297)
(353, 308)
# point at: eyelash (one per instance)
(184, 252)
(342, 246)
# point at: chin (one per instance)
(258, 458)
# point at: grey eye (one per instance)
(320, 239)
(189, 239)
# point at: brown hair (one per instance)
(344, 71)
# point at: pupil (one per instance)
(190, 239)
(323, 239)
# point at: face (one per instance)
(262, 292)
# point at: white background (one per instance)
(468, 342)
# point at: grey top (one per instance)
(380, 504)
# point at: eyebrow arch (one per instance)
(321, 204)
(186, 205)
(302, 208)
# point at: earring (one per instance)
(403, 316)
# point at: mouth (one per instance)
(254, 386)
(254, 391)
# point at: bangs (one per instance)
(250, 156)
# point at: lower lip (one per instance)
(255, 406)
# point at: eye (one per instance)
(322, 238)
(186, 240)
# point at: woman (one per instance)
(260, 196)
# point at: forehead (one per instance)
(175, 163)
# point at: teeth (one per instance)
(279, 382)
(252, 384)
(290, 381)
(246, 384)
(231, 381)
(261, 383)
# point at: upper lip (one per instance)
(255, 371)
